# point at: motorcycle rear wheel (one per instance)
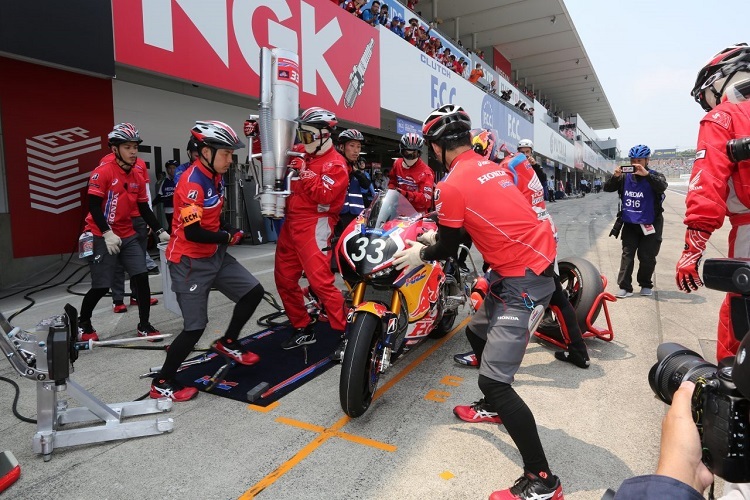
(583, 284)
(360, 367)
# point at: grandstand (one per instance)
(672, 163)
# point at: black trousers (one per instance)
(646, 247)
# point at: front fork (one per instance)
(388, 319)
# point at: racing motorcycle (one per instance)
(391, 310)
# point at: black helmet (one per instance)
(446, 120)
(192, 146)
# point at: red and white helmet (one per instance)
(714, 78)
(216, 134)
(318, 118)
(448, 119)
(124, 132)
(411, 142)
(351, 134)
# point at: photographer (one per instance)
(680, 473)
(641, 194)
(719, 185)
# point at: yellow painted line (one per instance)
(447, 475)
(273, 476)
(299, 424)
(264, 409)
(366, 441)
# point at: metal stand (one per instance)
(49, 363)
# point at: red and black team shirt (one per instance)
(198, 198)
(121, 192)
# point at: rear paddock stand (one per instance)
(47, 357)
(605, 334)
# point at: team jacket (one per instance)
(718, 187)
(198, 198)
(482, 197)
(320, 189)
(121, 192)
(418, 182)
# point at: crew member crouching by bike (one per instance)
(520, 250)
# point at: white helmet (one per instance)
(525, 143)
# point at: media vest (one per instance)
(638, 200)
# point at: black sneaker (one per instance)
(148, 330)
(578, 358)
(300, 337)
(530, 487)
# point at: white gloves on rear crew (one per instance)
(163, 236)
(113, 242)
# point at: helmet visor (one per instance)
(307, 136)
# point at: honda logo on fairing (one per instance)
(210, 19)
(55, 179)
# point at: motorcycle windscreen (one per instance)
(368, 245)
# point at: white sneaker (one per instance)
(621, 294)
(647, 292)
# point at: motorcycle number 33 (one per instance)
(364, 248)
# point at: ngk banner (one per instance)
(55, 126)
(217, 43)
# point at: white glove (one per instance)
(163, 236)
(409, 258)
(429, 238)
(113, 242)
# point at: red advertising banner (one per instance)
(55, 126)
(218, 44)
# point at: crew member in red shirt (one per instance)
(410, 175)
(115, 191)
(312, 211)
(520, 248)
(198, 259)
(719, 186)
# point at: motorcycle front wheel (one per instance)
(360, 367)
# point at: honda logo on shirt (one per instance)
(218, 43)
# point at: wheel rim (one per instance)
(372, 375)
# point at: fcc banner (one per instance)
(48, 161)
(218, 44)
(429, 85)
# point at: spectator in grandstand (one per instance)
(411, 4)
(370, 16)
(476, 74)
(719, 187)
(397, 26)
(506, 94)
(493, 87)
(383, 16)
(641, 194)
(354, 7)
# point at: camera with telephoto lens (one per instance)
(617, 227)
(720, 404)
(739, 149)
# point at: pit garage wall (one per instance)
(165, 118)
